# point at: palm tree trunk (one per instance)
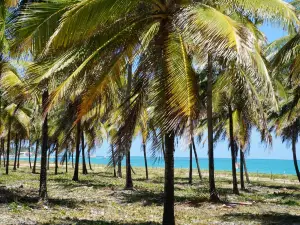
(242, 169)
(1, 153)
(75, 176)
(4, 160)
(119, 166)
(43, 173)
(233, 154)
(113, 159)
(191, 164)
(84, 170)
(168, 216)
(35, 156)
(8, 145)
(245, 168)
(56, 158)
(72, 159)
(294, 139)
(196, 157)
(29, 155)
(145, 159)
(4, 155)
(163, 149)
(89, 156)
(16, 152)
(19, 152)
(66, 155)
(129, 183)
(212, 186)
(48, 159)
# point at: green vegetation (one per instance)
(74, 73)
(99, 198)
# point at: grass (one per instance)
(98, 198)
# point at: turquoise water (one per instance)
(268, 166)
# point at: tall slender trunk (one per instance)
(168, 216)
(89, 156)
(72, 159)
(113, 159)
(129, 183)
(191, 164)
(75, 176)
(119, 166)
(35, 156)
(56, 158)
(4, 155)
(48, 159)
(197, 161)
(145, 159)
(29, 155)
(66, 158)
(233, 153)
(242, 169)
(212, 186)
(245, 168)
(1, 152)
(4, 159)
(294, 140)
(163, 148)
(43, 173)
(19, 152)
(8, 145)
(84, 170)
(16, 152)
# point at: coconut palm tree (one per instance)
(284, 56)
(287, 124)
(286, 120)
(165, 35)
(240, 103)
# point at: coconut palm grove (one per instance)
(77, 73)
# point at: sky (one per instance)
(278, 150)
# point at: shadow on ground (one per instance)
(30, 198)
(267, 218)
(100, 222)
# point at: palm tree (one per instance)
(287, 123)
(240, 103)
(143, 129)
(196, 158)
(15, 116)
(84, 169)
(163, 31)
(16, 152)
(35, 156)
(29, 153)
(43, 174)
(283, 54)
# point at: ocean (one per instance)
(267, 166)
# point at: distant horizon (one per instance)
(148, 157)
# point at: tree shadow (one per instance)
(30, 197)
(143, 180)
(69, 183)
(267, 218)
(286, 195)
(274, 186)
(149, 198)
(100, 222)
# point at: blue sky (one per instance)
(278, 150)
